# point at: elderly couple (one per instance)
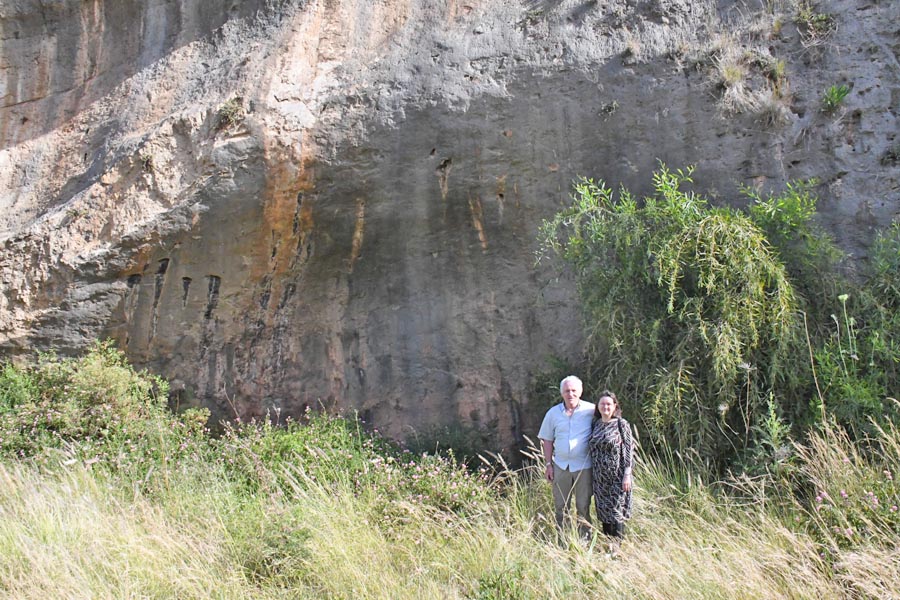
(588, 450)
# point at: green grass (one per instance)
(323, 509)
(73, 532)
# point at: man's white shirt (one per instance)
(569, 435)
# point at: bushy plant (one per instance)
(884, 282)
(339, 451)
(729, 325)
(772, 448)
(17, 387)
(854, 364)
(807, 252)
(857, 356)
(686, 305)
(464, 443)
(94, 409)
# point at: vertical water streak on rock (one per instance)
(131, 300)
(358, 232)
(443, 175)
(158, 285)
(478, 220)
(501, 196)
(212, 295)
(89, 53)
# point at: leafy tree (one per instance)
(688, 306)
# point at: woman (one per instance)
(612, 457)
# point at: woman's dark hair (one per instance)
(612, 396)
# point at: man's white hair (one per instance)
(570, 378)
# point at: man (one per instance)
(567, 461)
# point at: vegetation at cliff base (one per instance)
(728, 332)
(107, 494)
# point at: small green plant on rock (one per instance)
(833, 97)
(608, 108)
(147, 162)
(231, 113)
(774, 69)
(75, 213)
(815, 26)
(891, 156)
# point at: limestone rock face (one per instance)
(282, 204)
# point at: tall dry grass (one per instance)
(70, 535)
(73, 534)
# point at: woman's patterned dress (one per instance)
(612, 454)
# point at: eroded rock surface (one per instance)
(288, 204)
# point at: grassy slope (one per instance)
(105, 494)
(199, 531)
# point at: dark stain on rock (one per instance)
(212, 295)
(185, 288)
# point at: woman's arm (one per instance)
(627, 454)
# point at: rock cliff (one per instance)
(281, 204)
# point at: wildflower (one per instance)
(894, 508)
(843, 494)
(848, 532)
(887, 475)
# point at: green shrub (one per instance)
(95, 409)
(456, 442)
(686, 305)
(884, 281)
(17, 387)
(807, 252)
(337, 450)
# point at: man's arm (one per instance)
(547, 446)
